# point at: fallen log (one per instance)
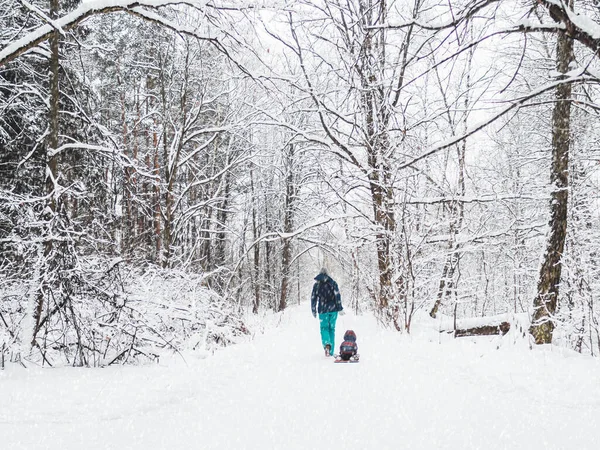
(483, 330)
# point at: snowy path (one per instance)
(279, 392)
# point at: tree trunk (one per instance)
(51, 168)
(457, 208)
(134, 180)
(157, 215)
(384, 236)
(256, 264)
(170, 165)
(146, 219)
(377, 145)
(126, 240)
(222, 214)
(287, 228)
(268, 279)
(545, 302)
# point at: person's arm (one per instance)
(338, 297)
(313, 299)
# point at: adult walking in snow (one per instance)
(327, 301)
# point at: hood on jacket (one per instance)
(322, 277)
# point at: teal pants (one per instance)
(327, 321)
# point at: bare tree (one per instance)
(546, 300)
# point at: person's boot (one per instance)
(327, 350)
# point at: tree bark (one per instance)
(222, 214)
(170, 170)
(377, 144)
(256, 263)
(127, 235)
(51, 168)
(290, 194)
(157, 212)
(546, 300)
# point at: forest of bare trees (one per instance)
(169, 167)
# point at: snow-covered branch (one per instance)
(578, 26)
(471, 10)
(513, 104)
(87, 9)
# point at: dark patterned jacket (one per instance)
(325, 295)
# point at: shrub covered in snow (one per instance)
(119, 314)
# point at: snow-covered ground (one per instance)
(280, 392)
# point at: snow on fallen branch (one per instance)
(497, 325)
(484, 330)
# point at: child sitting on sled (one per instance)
(349, 348)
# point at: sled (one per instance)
(353, 359)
